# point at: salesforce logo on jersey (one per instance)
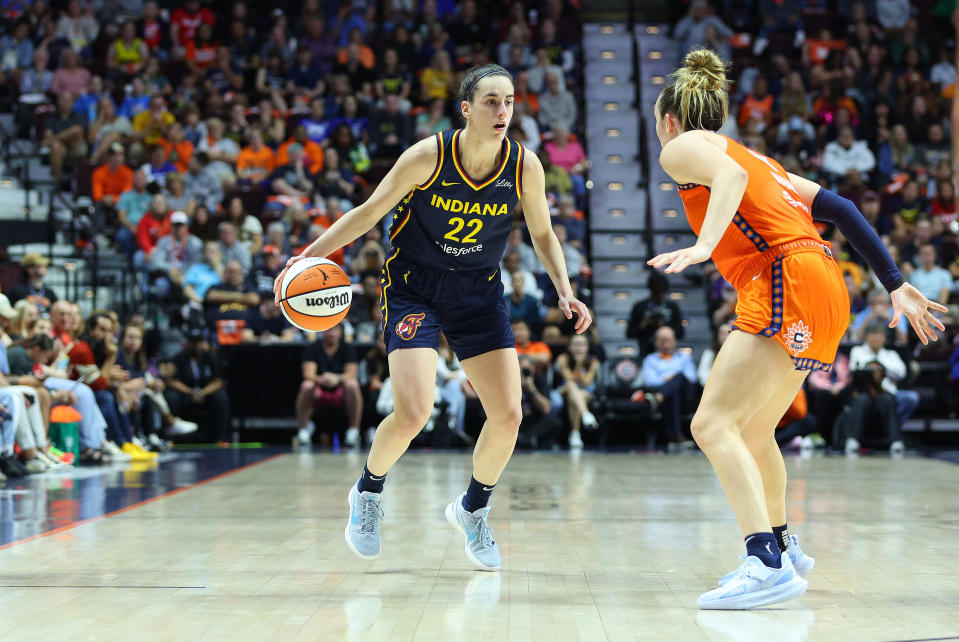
(459, 251)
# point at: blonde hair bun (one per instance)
(704, 70)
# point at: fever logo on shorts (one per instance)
(406, 328)
(798, 337)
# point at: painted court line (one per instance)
(168, 493)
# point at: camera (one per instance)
(526, 371)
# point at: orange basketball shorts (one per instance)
(800, 300)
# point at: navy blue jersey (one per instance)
(454, 222)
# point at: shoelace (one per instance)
(484, 534)
(371, 514)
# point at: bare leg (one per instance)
(415, 369)
(747, 374)
(496, 378)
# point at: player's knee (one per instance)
(412, 417)
(508, 420)
(708, 430)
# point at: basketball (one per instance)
(315, 294)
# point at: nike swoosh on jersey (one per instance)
(445, 184)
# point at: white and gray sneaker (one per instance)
(181, 427)
(756, 584)
(352, 437)
(114, 451)
(480, 547)
(801, 562)
(363, 527)
(305, 435)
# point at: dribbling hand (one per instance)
(571, 304)
(907, 300)
(278, 281)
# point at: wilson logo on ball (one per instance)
(329, 301)
(406, 328)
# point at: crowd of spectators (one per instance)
(856, 96)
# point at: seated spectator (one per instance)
(177, 199)
(893, 367)
(19, 326)
(266, 267)
(293, 179)
(222, 152)
(266, 324)
(537, 352)
(137, 101)
(845, 155)
(908, 208)
(365, 315)
(70, 77)
(150, 125)
(649, 315)
(64, 132)
(556, 106)
(312, 152)
(336, 181)
(304, 78)
(108, 128)
(203, 275)
(232, 298)
(36, 80)
(131, 206)
(256, 161)
(174, 255)
(32, 288)
(575, 260)
(110, 180)
(200, 53)
(578, 369)
(438, 81)
(329, 381)
(511, 266)
(318, 126)
(527, 255)
(709, 354)
(934, 282)
(202, 185)
(127, 55)
(355, 155)
(157, 167)
(896, 155)
(523, 119)
(16, 53)
(569, 155)
(154, 225)
(557, 179)
(669, 377)
(390, 130)
(691, 29)
(870, 407)
(521, 306)
(177, 149)
(248, 227)
(194, 384)
(231, 246)
(880, 311)
(758, 105)
(539, 427)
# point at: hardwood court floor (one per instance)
(595, 547)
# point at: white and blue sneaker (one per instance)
(480, 547)
(363, 527)
(801, 562)
(755, 584)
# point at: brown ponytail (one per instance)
(697, 93)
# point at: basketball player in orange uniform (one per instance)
(756, 222)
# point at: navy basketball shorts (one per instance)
(467, 305)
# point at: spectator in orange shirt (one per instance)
(313, 152)
(178, 149)
(111, 179)
(201, 53)
(536, 351)
(758, 105)
(256, 161)
(366, 56)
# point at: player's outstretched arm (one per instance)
(413, 168)
(693, 158)
(825, 205)
(548, 249)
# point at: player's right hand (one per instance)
(906, 299)
(278, 281)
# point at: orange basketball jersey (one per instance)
(770, 214)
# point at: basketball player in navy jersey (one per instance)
(451, 198)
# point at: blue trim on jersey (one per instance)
(811, 364)
(751, 234)
(776, 323)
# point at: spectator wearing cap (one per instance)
(112, 178)
(195, 383)
(32, 288)
(293, 179)
(266, 267)
(202, 185)
(64, 132)
(131, 206)
(174, 254)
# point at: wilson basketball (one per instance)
(315, 294)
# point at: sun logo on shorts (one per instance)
(406, 328)
(798, 337)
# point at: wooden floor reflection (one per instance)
(595, 547)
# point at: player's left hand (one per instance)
(568, 305)
(906, 299)
(679, 260)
